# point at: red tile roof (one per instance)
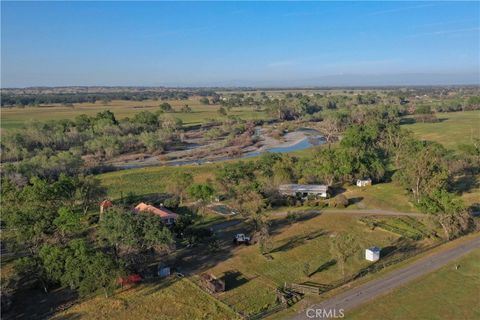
(163, 213)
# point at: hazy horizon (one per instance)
(230, 44)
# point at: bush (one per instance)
(292, 217)
(339, 201)
(172, 203)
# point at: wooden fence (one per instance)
(303, 288)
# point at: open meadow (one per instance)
(453, 128)
(16, 116)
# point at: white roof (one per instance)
(303, 187)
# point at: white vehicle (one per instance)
(241, 238)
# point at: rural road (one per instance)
(370, 290)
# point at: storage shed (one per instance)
(364, 182)
(372, 254)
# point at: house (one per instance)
(104, 205)
(364, 182)
(372, 254)
(304, 190)
(168, 217)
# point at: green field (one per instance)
(170, 299)
(444, 294)
(144, 181)
(386, 196)
(16, 117)
(453, 129)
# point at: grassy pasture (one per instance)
(169, 299)
(453, 129)
(444, 294)
(144, 181)
(300, 253)
(386, 196)
(15, 117)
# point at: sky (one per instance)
(284, 44)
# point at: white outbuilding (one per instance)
(372, 254)
(364, 182)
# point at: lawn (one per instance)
(168, 299)
(16, 117)
(453, 129)
(445, 294)
(386, 196)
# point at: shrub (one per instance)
(339, 201)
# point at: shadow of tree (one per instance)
(465, 183)
(233, 279)
(296, 241)
(279, 224)
(324, 267)
(34, 303)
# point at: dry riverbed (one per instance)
(216, 150)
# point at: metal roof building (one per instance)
(304, 190)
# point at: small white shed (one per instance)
(364, 182)
(372, 254)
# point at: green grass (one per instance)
(407, 227)
(386, 196)
(444, 294)
(144, 181)
(16, 117)
(453, 129)
(169, 299)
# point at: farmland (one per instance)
(448, 293)
(16, 117)
(453, 128)
(300, 253)
(294, 235)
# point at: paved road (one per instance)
(370, 290)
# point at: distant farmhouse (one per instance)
(304, 190)
(168, 217)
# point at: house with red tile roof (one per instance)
(168, 217)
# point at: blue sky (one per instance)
(232, 43)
